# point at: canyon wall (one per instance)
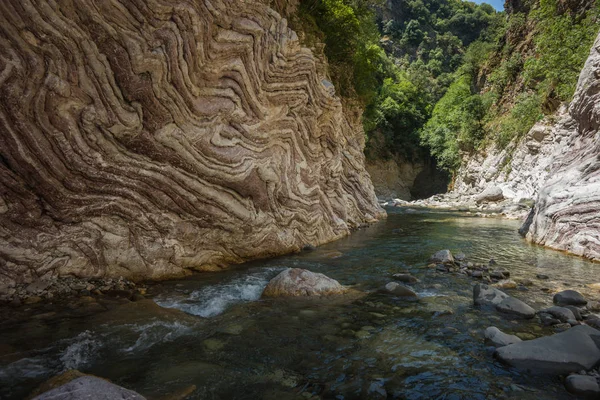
(567, 210)
(148, 138)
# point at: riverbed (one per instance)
(213, 331)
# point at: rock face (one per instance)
(146, 139)
(294, 282)
(89, 387)
(573, 350)
(567, 212)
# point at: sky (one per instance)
(497, 4)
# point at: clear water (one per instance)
(233, 345)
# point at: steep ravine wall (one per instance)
(146, 138)
(567, 211)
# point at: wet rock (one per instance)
(399, 290)
(487, 295)
(548, 319)
(593, 305)
(542, 276)
(443, 257)
(569, 297)
(516, 307)
(563, 314)
(294, 282)
(89, 387)
(406, 278)
(477, 274)
(526, 282)
(498, 338)
(583, 386)
(561, 353)
(460, 257)
(561, 327)
(499, 274)
(593, 322)
(32, 300)
(491, 194)
(576, 312)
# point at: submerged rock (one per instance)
(569, 297)
(583, 386)
(570, 351)
(487, 295)
(399, 290)
(294, 282)
(498, 338)
(89, 387)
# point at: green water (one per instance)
(232, 345)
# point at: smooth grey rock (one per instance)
(516, 307)
(487, 295)
(442, 256)
(583, 385)
(499, 338)
(561, 313)
(573, 350)
(569, 297)
(548, 319)
(491, 194)
(399, 290)
(406, 278)
(89, 387)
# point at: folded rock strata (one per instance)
(147, 138)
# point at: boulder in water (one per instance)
(406, 278)
(514, 306)
(294, 282)
(443, 257)
(498, 338)
(487, 295)
(573, 350)
(563, 314)
(399, 290)
(89, 387)
(570, 298)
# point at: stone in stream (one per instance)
(399, 290)
(89, 387)
(542, 276)
(498, 338)
(569, 297)
(294, 282)
(576, 312)
(406, 278)
(443, 257)
(487, 295)
(584, 386)
(516, 307)
(561, 313)
(573, 350)
(548, 319)
(506, 284)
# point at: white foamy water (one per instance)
(81, 352)
(213, 300)
(155, 332)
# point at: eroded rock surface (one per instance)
(146, 139)
(294, 282)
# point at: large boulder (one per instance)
(89, 387)
(487, 295)
(573, 350)
(569, 298)
(584, 386)
(516, 307)
(399, 290)
(294, 282)
(498, 338)
(491, 194)
(442, 257)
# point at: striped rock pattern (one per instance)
(148, 138)
(567, 211)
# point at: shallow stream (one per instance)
(233, 345)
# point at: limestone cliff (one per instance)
(567, 211)
(146, 138)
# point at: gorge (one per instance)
(299, 200)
